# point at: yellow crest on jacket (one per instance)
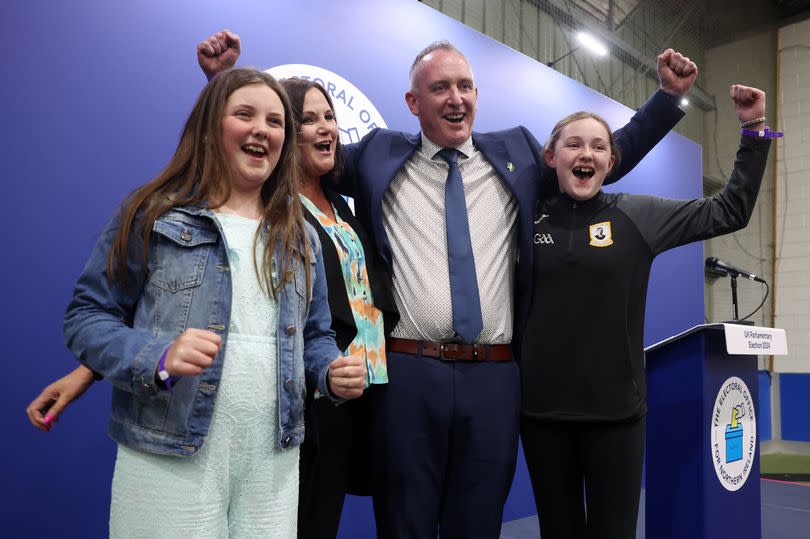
(601, 235)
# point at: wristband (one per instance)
(162, 373)
(765, 133)
(753, 121)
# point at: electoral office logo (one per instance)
(733, 434)
(356, 114)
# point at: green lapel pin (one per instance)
(510, 166)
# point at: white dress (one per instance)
(239, 484)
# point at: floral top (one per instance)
(370, 338)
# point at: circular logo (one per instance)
(733, 434)
(356, 114)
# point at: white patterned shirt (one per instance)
(414, 220)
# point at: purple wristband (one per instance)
(163, 374)
(765, 133)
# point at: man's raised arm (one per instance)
(218, 52)
(676, 75)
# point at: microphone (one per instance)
(719, 265)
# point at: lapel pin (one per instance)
(510, 166)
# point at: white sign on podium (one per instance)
(755, 340)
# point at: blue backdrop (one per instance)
(95, 94)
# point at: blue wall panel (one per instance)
(95, 94)
(794, 389)
(764, 417)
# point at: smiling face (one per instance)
(582, 156)
(252, 135)
(318, 137)
(443, 96)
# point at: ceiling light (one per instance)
(592, 44)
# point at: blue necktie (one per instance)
(463, 284)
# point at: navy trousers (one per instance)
(444, 438)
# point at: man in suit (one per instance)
(450, 210)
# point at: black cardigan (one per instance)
(381, 288)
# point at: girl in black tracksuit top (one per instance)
(582, 360)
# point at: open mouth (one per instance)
(583, 173)
(454, 118)
(254, 150)
(324, 147)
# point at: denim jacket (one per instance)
(121, 330)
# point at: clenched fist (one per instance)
(192, 352)
(749, 104)
(676, 72)
(347, 376)
(218, 52)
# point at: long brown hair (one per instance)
(198, 175)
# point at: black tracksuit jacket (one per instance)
(582, 355)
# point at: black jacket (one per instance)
(582, 357)
(344, 429)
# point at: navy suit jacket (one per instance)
(516, 156)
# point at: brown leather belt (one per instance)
(451, 351)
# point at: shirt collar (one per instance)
(430, 149)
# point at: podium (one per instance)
(702, 458)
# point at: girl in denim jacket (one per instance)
(204, 304)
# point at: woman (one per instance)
(204, 304)
(334, 456)
(583, 392)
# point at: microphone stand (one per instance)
(735, 309)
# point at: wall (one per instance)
(769, 60)
(793, 199)
(793, 229)
(750, 62)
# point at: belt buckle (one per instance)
(442, 350)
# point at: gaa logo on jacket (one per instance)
(356, 114)
(544, 239)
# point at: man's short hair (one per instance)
(443, 45)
